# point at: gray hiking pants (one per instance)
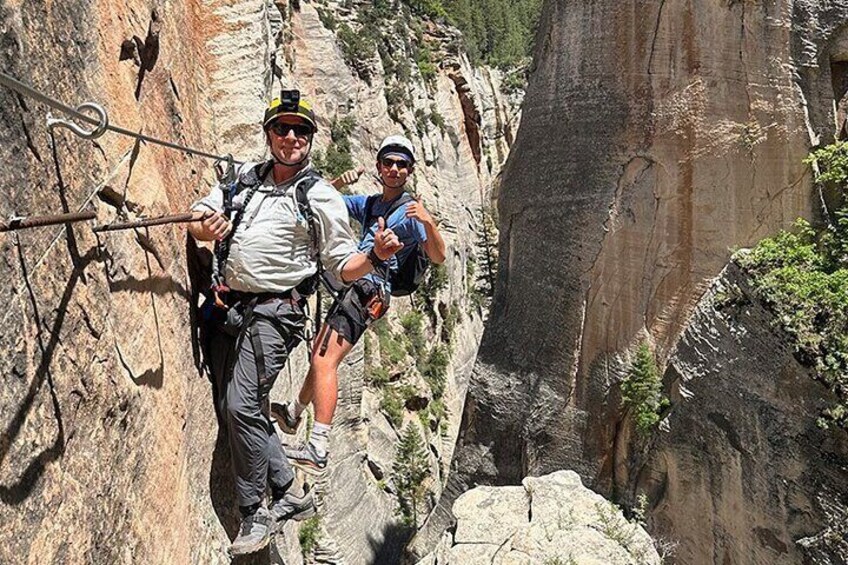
(242, 400)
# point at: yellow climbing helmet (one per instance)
(289, 104)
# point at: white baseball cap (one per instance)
(397, 145)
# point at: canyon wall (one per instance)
(656, 138)
(110, 451)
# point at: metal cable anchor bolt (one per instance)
(97, 131)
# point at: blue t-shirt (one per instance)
(409, 230)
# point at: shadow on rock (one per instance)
(222, 490)
(388, 550)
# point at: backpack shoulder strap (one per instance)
(404, 199)
(369, 205)
(250, 181)
(301, 191)
(254, 176)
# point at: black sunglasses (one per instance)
(388, 162)
(300, 130)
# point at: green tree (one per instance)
(488, 252)
(496, 32)
(641, 390)
(435, 370)
(429, 8)
(409, 471)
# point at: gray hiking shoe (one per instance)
(305, 457)
(287, 422)
(254, 533)
(291, 507)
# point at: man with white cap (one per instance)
(367, 299)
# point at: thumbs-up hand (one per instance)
(417, 211)
(348, 177)
(386, 242)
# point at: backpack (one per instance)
(251, 181)
(410, 272)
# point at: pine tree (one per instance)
(488, 252)
(496, 32)
(410, 469)
(641, 390)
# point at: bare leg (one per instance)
(321, 385)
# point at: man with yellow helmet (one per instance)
(276, 227)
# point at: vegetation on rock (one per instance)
(410, 469)
(338, 158)
(802, 275)
(641, 390)
(309, 534)
(481, 270)
(496, 32)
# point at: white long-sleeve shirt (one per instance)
(270, 250)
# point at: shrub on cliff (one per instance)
(337, 159)
(358, 47)
(309, 535)
(802, 275)
(430, 8)
(809, 297)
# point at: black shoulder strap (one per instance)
(250, 181)
(252, 178)
(369, 205)
(301, 191)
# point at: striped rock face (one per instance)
(656, 137)
(109, 447)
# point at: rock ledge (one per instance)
(550, 519)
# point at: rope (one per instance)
(21, 88)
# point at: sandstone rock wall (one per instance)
(109, 450)
(740, 472)
(656, 137)
(100, 396)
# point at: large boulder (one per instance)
(550, 519)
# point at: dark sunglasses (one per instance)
(300, 130)
(388, 162)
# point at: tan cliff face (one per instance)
(454, 179)
(656, 137)
(109, 450)
(740, 471)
